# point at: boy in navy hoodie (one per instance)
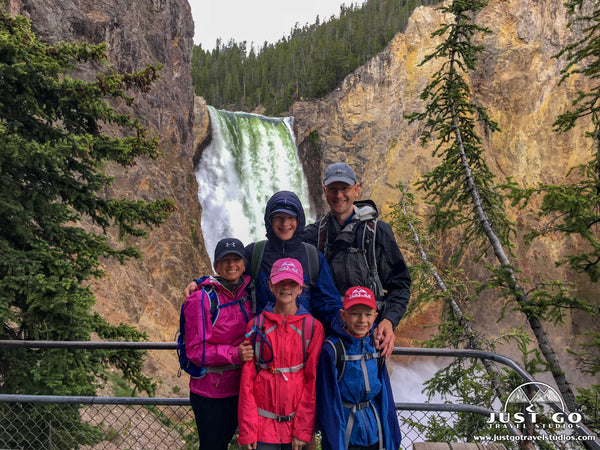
(353, 383)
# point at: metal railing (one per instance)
(168, 423)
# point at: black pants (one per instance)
(216, 420)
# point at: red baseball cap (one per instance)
(359, 295)
(287, 269)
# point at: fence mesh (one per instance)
(108, 426)
(53, 422)
(58, 426)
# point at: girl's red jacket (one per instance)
(281, 393)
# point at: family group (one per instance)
(292, 332)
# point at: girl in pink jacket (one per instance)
(277, 391)
(216, 315)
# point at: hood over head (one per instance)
(285, 201)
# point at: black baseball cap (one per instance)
(228, 246)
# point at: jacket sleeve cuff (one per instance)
(235, 356)
(303, 437)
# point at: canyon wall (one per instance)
(146, 292)
(517, 79)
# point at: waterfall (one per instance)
(249, 158)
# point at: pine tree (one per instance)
(573, 209)
(462, 187)
(464, 380)
(57, 134)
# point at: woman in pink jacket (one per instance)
(277, 392)
(216, 315)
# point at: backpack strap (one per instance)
(213, 298)
(220, 306)
(305, 342)
(257, 255)
(203, 329)
(312, 256)
(339, 356)
(368, 245)
(255, 261)
(358, 407)
(278, 418)
(322, 234)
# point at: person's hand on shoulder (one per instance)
(384, 338)
(190, 289)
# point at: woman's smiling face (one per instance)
(230, 267)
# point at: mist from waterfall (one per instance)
(250, 157)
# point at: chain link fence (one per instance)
(97, 426)
(54, 422)
(110, 426)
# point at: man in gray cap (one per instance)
(361, 250)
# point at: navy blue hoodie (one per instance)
(322, 298)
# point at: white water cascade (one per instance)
(249, 158)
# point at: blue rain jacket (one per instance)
(332, 416)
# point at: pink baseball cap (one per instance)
(359, 295)
(287, 269)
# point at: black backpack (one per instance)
(367, 246)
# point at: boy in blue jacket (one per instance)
(355, 405)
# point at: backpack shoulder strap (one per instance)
(368, 245)
(322, 234)
(256, 259)
(257, 255)
(339, 352)
(305, 341)
(213, 298)
(256, 325)
(312, 255)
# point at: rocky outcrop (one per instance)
(517, 80)
(147, 292)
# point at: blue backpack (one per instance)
(208, 294)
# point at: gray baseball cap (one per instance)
(339, 172)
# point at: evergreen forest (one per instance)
(309, 63)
